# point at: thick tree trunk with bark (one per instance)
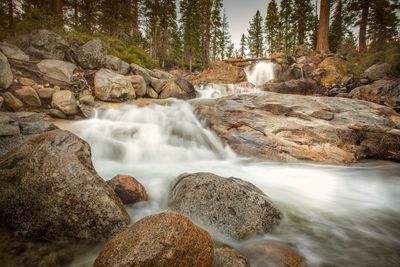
(323, 41)
(362, 38)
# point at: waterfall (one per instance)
(261, 73)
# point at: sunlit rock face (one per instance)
(292, 128)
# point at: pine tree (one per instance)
(243, 43)
(216, 28)
(255, 37)
(272, 27)
(336, 31)
(383, 23)
(303, 20)
(225, 36)
(286, 25)
(230, 53)
(358, 13)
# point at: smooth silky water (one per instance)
(334, 215)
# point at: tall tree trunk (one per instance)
(323, 43)
(11, 17)
(58, 13)
(362, 39)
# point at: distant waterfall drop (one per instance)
(261, 73)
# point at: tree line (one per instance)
(197, 31)
(297, 23)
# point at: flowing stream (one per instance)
(334, 215)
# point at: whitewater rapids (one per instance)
(335, 216)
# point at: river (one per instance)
(334, 215)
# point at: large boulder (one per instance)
(279, 127)
(29, 96)
(45, 44)
(335, 70)
(378, 72)
(160, 74)
(165, 239)
(13, 52)
(57, 69)
(6, 76)
(117, 64)
(139, 84)
(113, 87)
(65, 101)
(229, 257)
(12, 102)
(138, 70)
(128, 189)
(234, 208)
(173, 89)
(268, 253)
(296, 87)
(92, 55)
(51, 191)
(384, 92)
(18, 127)
(220, 72)
(158, 84)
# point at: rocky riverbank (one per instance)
(42, 72)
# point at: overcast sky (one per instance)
(240, 12)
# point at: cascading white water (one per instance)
(261, 73)
(336, 216)
(221, 90)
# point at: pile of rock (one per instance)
(51, 192)
(66, 68)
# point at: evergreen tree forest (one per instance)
(192, 33)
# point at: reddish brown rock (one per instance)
(128, 189)
(162, 240)
(229, 257)
(268, 253)
(221, 72)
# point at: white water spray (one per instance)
(261, 73)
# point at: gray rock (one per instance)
(92, 55)
(365, 81)
(6, 76)
(279, 127)
(29, 96)
(57, 69)
(138, 70)
(158, 84)
(113, 87)
(58, 194)
(181, 89)
(26, 81)
(45, 44)
(87, 111)
(384, 92)
(12, 102)
(229, 257)
(65, 101)
(139, 84)
(46, 92)
(117, 64)
(378, 72)
(163, 75)
(57, 114)
(151, 93)
(13, 52)
(1, 101)
(18, 127)
(87, 100)
(232, 207)
(296, 87)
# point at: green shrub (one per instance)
(126, 51)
